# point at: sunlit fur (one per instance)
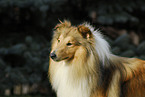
(86, 67)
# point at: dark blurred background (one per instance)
(26, 27)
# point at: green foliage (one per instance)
(39, 12)
(24, 63)
(117, 11)
(35, 11)
(25, 96)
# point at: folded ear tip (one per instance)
(84, 31)
(82, 28)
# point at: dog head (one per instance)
(69, 40)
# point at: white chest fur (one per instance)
(65, 84)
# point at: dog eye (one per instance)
(69, 44)
(58, 40)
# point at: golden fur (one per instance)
(84, 66)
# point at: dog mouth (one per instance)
(65, 58)
(57, 59)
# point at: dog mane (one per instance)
(102, 47)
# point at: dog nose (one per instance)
(53, 55)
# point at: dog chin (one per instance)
(58, 60)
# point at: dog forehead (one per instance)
(65, 32)
(66, 38)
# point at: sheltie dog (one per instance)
(81, 65)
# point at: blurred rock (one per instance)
(128, 53)
(14, 60)
(122, 31)
(35, 47)
(142, 57)
(17, 89)
(134, 37)
(34, 78)
(8, 69)
(7, 92)
(141, 48)
(25, 89)
(132, 47)
(27, 55)
(110, 41)
(36, 60)
(3, 51)
(112, 32)
(116, 50)
(28, 40)
(17, 49)
(122, 41)
(45, 66)
(34, 87)
(25, 62)
(93, 16)
(45, 52)
(2, 64)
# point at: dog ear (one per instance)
(85, 31)
(63, 24)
